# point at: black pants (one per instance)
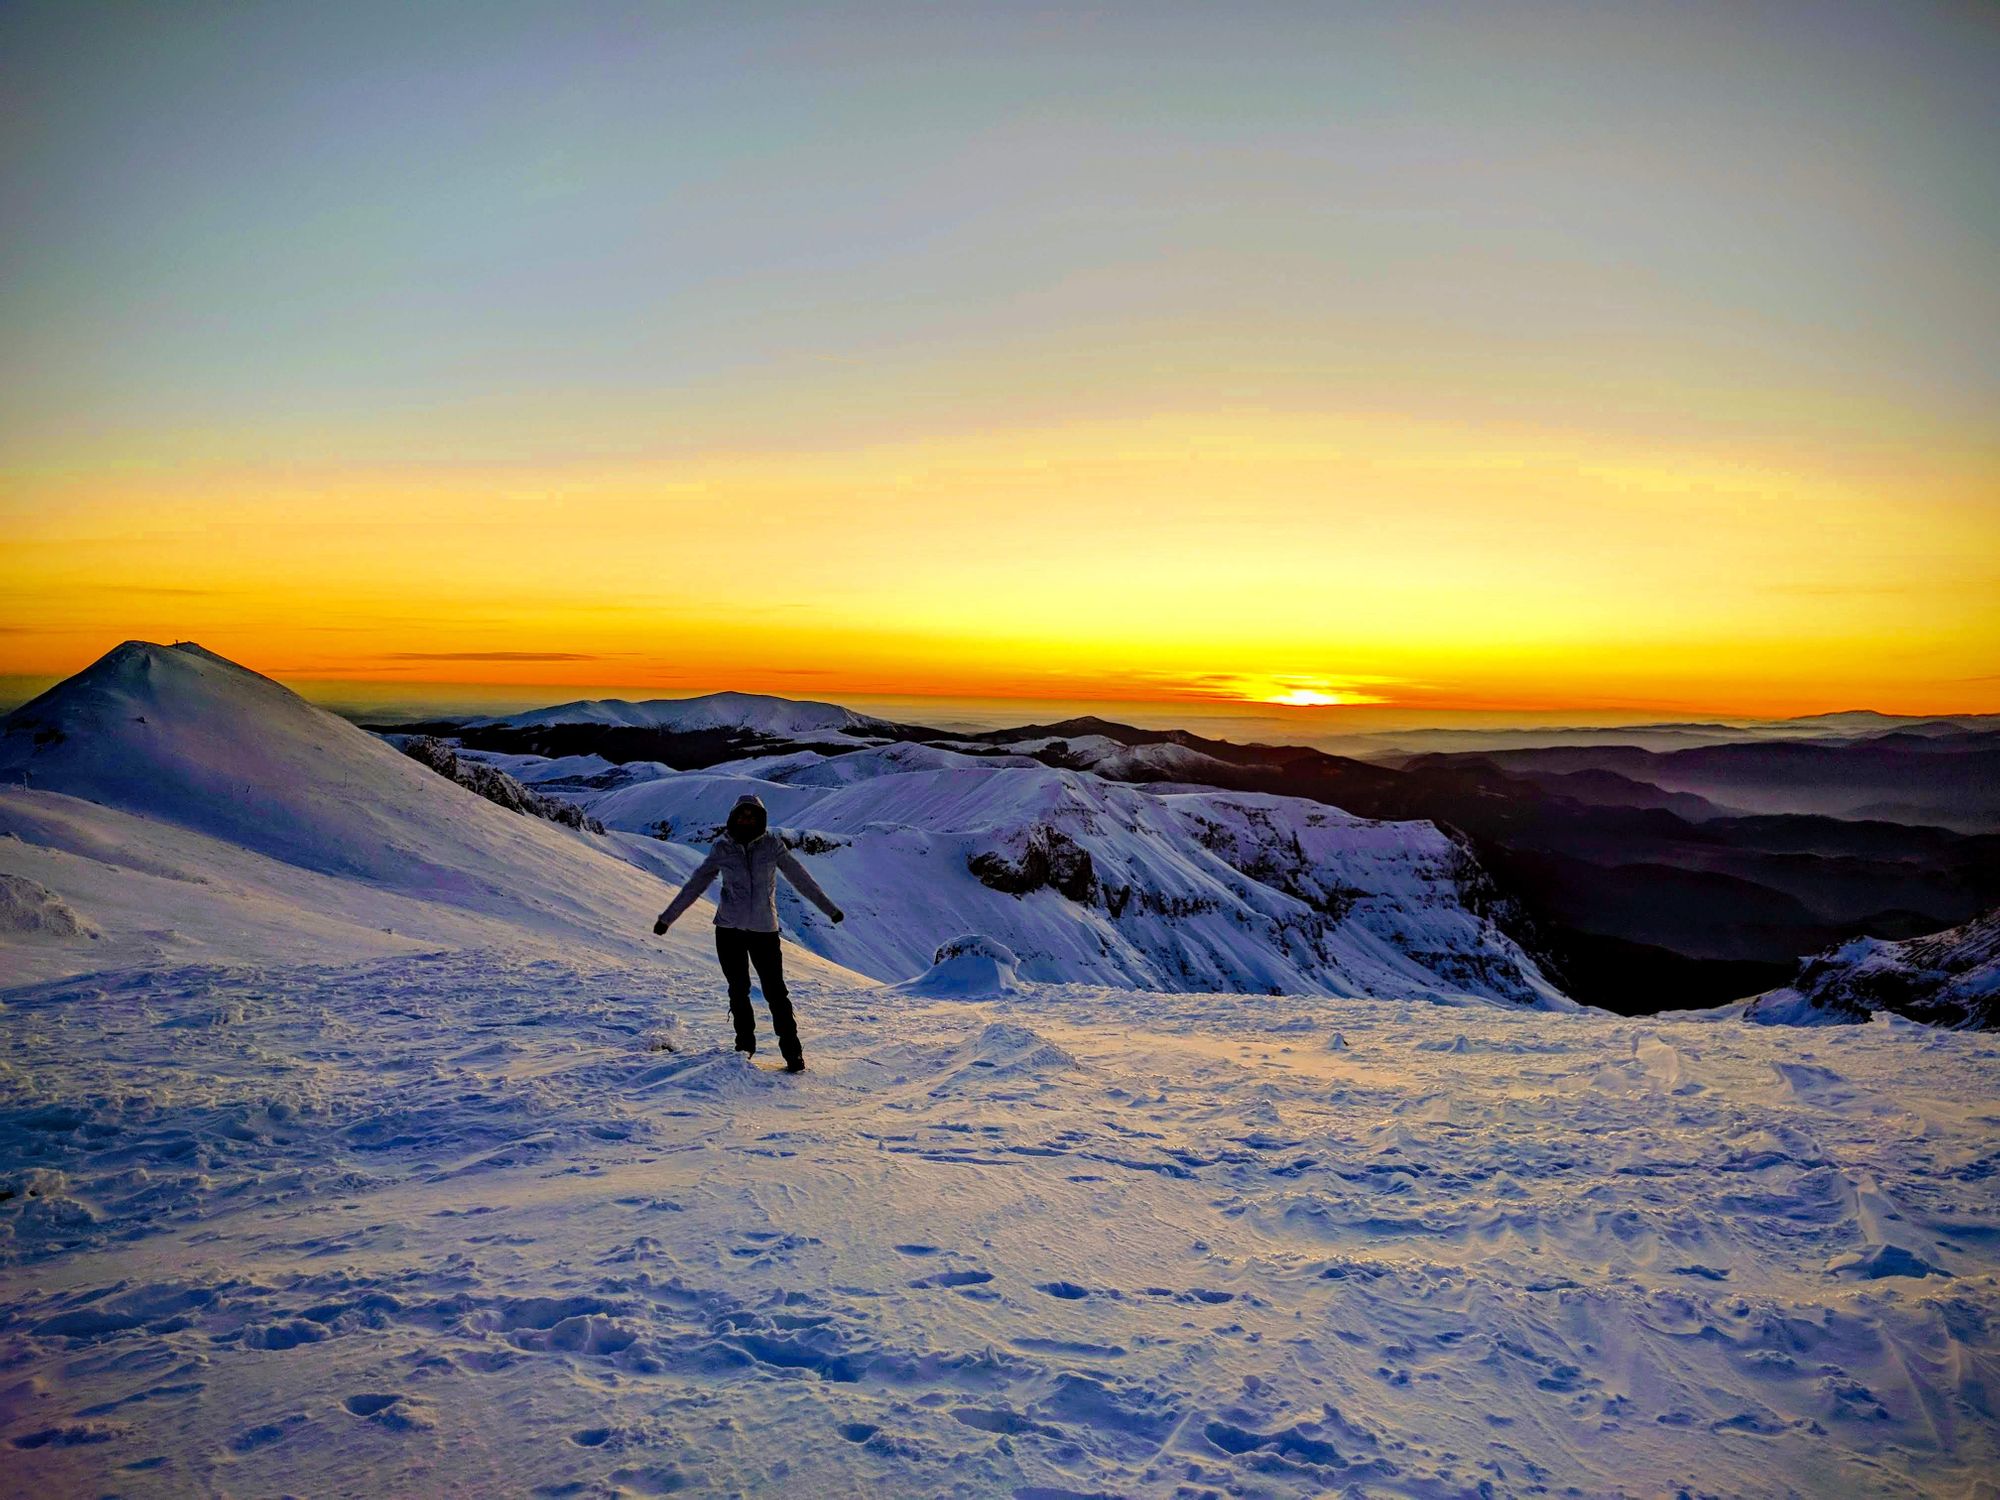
(738, 950)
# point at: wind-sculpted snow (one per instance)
(445, 1224)
(1157, 887)
(968, 967)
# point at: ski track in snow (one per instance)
(445, 1224)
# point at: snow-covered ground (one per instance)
(357, 1139)
(441, 1224)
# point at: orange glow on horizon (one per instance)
(1395, 563)
(1497, 359)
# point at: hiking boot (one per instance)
(795, 1065)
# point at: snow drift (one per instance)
(971, 967)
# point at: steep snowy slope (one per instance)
(757, 713)
(187, 805)
(1092, 881)
(1117, 761)
(1949, 978)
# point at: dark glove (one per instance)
(659, 926)
(837, 916)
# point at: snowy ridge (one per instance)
(1949, 978)
(1093, 881)
(758, 713)
(1159, 760)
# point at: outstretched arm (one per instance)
(805, 884)
(690, 892)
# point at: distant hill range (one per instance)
(1641, 878)
(1862, 723)
(1946, 777)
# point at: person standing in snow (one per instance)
(749, 856)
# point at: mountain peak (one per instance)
(131, 678)
(179, 734)
(756, 713)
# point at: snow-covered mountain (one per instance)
(273, 820)
(1949, 978)
(755, 713)
(1087, 880)
(177, 803)
(1160, 760)
(1637, 898)
(356, 1140)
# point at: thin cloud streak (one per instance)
(494, 656)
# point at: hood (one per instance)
(762, 819)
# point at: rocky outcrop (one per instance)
(1044, 857)
(495, 785)
(1949, 978)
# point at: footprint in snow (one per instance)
(663, 1479)
(390, 1409)
(252, 1438)
(1002, 1422)
(955, 1279)
(68, 1435)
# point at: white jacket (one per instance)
(749, 882)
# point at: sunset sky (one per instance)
(1587, 358)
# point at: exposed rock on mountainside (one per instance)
(495, 785)
(1156, 886)
(1046, 857)
(1949, 978)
